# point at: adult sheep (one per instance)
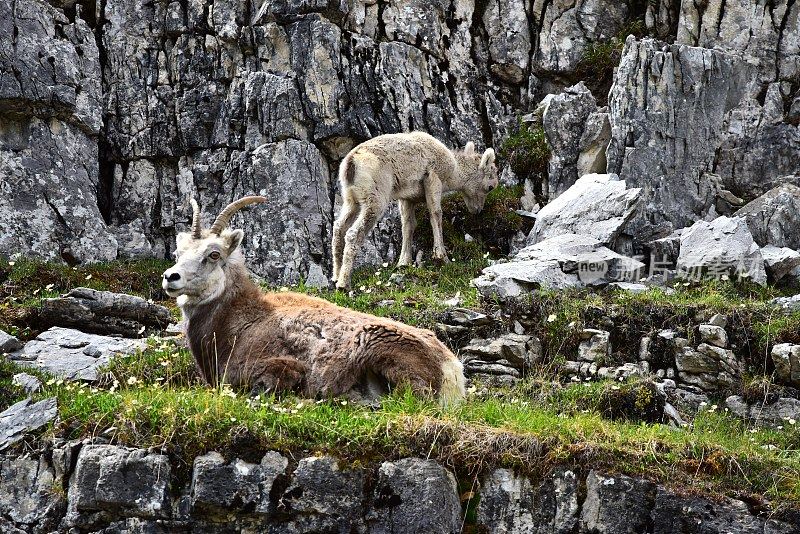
(410, 168)
(288, 341)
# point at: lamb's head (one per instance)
(203, 255)
(479, 176)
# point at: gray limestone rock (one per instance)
(518, 351)
(779, 262)
(8, 343)
(323, 497)
(722, 247)
(27, 382)
(668, 109)
(595, 346)
(773, 414)
(26, 493)
(567, 260)
(127, 482)
(508, 26)
(774, 217)
(716, 335)
(565, 120)
(786, 358)
(616, 504)
(510, 503)
(236, 485)
(415, 496)
(23, 417)
(73, 354)
(598, 205)
(104, 312)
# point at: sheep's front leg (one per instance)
(433, 198)
(408, 220)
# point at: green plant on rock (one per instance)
(527, 153)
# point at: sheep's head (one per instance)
(479, 175)
(198, 275)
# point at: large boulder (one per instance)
(568, 260)
(73, 354)
(776, 413)
(565, 120)
(416, 496)
(786, 359)
(722, 247)
(104, 312)
(598, 205)
(508, 355)
(779, 261)
(774, 217)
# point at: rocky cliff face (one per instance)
(115, 113)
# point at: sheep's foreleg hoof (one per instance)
(441, 257)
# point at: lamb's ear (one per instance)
(233, 239)
(469, 149)
(488, 158)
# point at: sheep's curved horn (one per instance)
(196, 229)
(225, 216)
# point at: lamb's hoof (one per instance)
(441, 260)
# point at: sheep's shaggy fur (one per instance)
(293, 342)
(410, 168)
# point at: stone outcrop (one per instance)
(73, 354)
(722, 247)
(23, 417)
(567, 260)
(774, 217)
(104, 312)
(597, 205)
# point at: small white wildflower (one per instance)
(284, 289)
(12, 263)
(792, 421)
(384, 265)
(233, 419)
(362, 288)
(88, 276)
(552, 317)
(725, 277)
(753, 430)
(344, 403)
(132, 380)
(615, 387)
(780, 427)
(377, 273)
(49, 286)
(704, 403)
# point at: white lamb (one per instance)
(409, 168)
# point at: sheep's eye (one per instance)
(214, 255)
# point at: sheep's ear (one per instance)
(233, 239)
(469, 149)
(488, 158)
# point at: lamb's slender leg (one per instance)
(354, 238)
(408, 220)
(433, 198)
(347, 217)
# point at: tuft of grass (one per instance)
(163, 362)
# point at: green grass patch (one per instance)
(717, 454)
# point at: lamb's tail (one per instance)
(347, 171)
(415, 358)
